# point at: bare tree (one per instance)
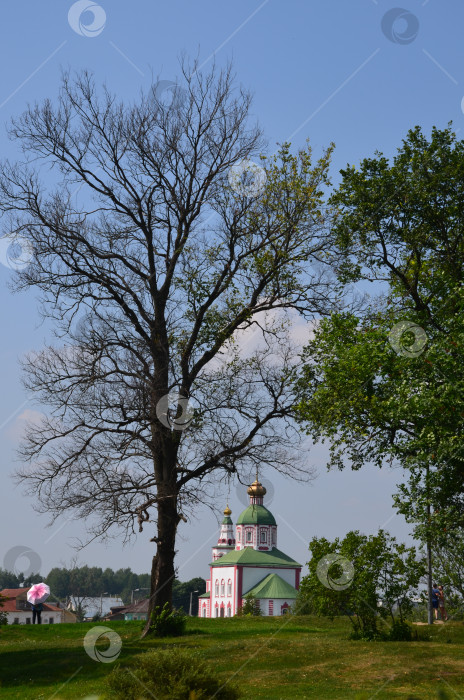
(150, 259)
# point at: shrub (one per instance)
(366, 634)
(250, 607)
(167, 623)
(400, 631)
(168, 674)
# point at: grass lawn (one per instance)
(268, 658)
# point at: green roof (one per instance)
(272, 586)
(256, 515)
(205, 595)
(227, 521)
(253, 557)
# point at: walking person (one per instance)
(441, 604)
(435, 599)
(37, 613)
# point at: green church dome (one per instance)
(256, 515)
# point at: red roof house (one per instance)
(19, 611)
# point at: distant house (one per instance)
(19, 611)
(69, 616)
(137, 611)
(116, 613)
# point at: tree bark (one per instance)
(162, 570)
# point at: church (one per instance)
(247, 562)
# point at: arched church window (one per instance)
(239, 536)
(229, 587)
(223, 585)
(249, 536)
(216, 588)
(263, 536)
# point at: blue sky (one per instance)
(324, 70)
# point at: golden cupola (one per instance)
(256, 489)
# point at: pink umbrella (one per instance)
(38, 593)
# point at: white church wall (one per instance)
(222, 574)
(275, 609)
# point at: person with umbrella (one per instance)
(36, 596)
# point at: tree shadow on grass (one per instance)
(55, 666)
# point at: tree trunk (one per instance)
(429, 582)
(429, 552)
(162, 571)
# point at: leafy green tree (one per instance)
(59, 580)
(367, 578)
(9, 579)
(387, 384)
(396, 391)
(449, 563)
(181, 594)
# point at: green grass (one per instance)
(268, 658)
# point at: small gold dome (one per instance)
(256, 489)
(227, 510)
